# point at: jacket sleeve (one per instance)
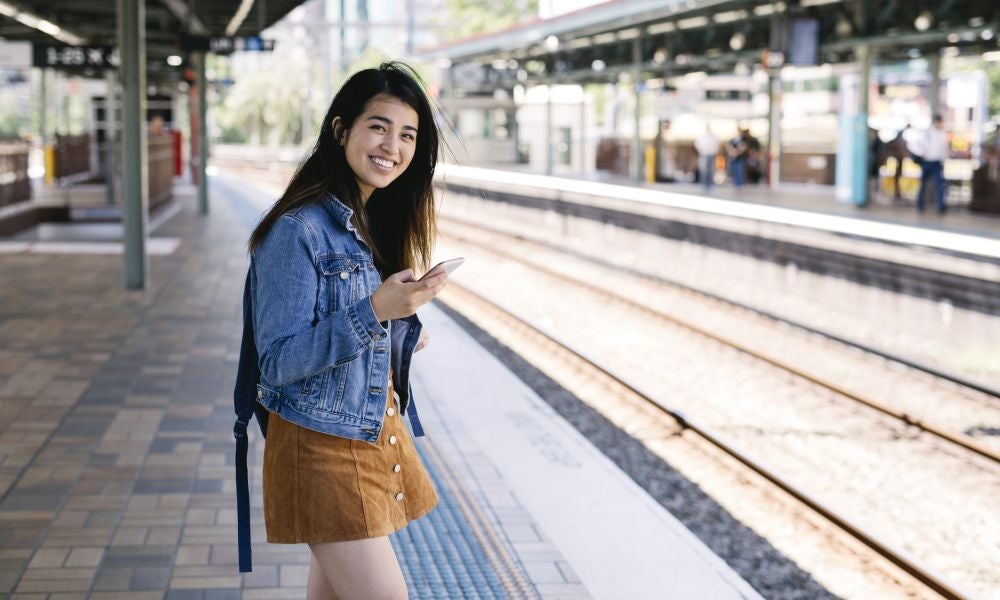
(292, 340)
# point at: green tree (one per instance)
(993, 90)
(474, 17)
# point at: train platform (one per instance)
(116, 448)
(953, 258)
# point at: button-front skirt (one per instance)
(322, 488)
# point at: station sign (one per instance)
(75, 57)
(733, 95)
(15, 54)
(226, 45)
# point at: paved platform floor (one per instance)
(116, 476)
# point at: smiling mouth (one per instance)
(382, 163)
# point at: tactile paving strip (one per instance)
(455, 551)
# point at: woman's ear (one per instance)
(338, 130)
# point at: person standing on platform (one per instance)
(935, 151)
(707, 146)
(755, 158)
(737, 150)
(332, 292)
(896, 148)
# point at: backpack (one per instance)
(246, 406)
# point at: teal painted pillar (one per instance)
(132, 50)
(861, 146)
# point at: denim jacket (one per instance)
(324, 357)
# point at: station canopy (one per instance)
(93, 23)
(663, 38)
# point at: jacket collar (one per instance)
(341, 214)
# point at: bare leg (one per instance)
(361, 569)
(318, 587)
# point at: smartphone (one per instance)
(446, 265)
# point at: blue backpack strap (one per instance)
(245, 403)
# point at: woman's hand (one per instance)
(400, 295)
(422, 342)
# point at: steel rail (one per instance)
(896, 358)
(957, 439)
(900, 558)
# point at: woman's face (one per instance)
(380, 144)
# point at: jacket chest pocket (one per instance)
(344, 282)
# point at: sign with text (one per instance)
(226, 45)
(75, 57)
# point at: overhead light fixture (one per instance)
(174, 61)
(738, 41)
(660, 56)
(843, 26)
(658, 28)
(729, 16)
(986, 34)
(993, 56)
(552, 43)
(692, 22)
(238, 17)
(923, 21)
(35, 22)
(597, 65)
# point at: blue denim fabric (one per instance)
(324, 357)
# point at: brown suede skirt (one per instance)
(322, 488)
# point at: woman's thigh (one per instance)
(362, 569)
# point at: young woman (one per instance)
(334, 292)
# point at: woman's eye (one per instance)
(408, 136)
(378, 128)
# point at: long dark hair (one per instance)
(397, 222)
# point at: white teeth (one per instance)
(385, 164)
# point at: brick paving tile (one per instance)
(116, 448)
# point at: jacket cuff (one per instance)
(365, 323)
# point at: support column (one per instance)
(43, 104)
(934, 66)
(548, 128)
(859, 187)
(132, 46)
(639, 161)
(202, 137)
(774, 94)
(582, 141)
(110, 131)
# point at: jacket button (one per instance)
(343, 274)
(390, 411)
(395, 469)
(260, 394)
(399, 496)
(392, 440)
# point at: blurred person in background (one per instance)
(707, 146)
(934, 151)
(736, 151)
(876, 158)
(755, 158)
(896, 149)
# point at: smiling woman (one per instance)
(329, 331)
(381, 145)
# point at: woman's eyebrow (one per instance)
(388, 121)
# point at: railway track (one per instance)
(898, 557)
(960, 440)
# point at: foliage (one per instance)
(993, 88)
(475, 17)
